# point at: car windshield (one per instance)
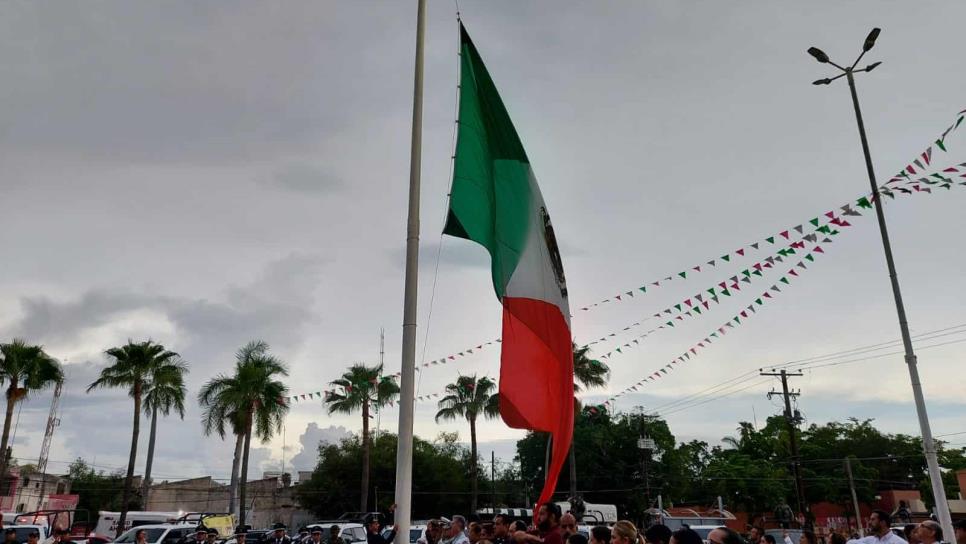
(703, 532)
(22, 532)
(153, 535)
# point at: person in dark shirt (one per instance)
(501, 529)
(373, 536)
(241, 535)
(278, 535)
(548, 527)
(600, 534)
(661, 534)
(334, 537)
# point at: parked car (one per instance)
(350, 532)
(253, 536)
(163, 533)
(415, 532)
(24, 530)
(793, 534)
(91, 539)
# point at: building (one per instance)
(194, 495)
(30, 491)
(269, 500)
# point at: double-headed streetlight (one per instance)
(928, 446)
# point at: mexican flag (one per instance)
(495, 202)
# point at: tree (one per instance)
(588, 373)
(217, 419)
(362, 388)
(440, 482)
(163, 393)
(97, 491)
(133, 366)
(251, 401)
(470, 398)
(24, 367)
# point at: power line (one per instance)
(728, 387)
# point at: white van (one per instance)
(107, 521)
(594, 513)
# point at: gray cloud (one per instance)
(154, 158)
(310, 440)
(304, 178)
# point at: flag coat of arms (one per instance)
(495, 201)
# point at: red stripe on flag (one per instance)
(537, 377)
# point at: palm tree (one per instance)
(134, 364)
(23, 367)
(251, 401)
(165, 392)
(588, 373)
(214, 420)
(470, 398)
(362, 388)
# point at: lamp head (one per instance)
(825, 81)
(872, 66)
(870, 39)
(818, 54)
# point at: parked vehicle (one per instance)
(219, 521)
(779, 534)
(107, 521)
(162, 533)
(415, 532)
(597, 514)
(78, 538)
(350, 532)
(24, 530)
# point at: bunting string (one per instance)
(691, 306)
(752, 309)
(919, 165)
(713, 296)
(903, 183)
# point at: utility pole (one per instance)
(928, 444)
(855, 500)
(493, 478)
(790, 420)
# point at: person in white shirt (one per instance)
(456, 532)
(880, 531)
(929, 532)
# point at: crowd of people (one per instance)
(554, 527)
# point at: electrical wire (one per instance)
(737, 384)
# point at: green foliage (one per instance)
(23, 367)
(469, 397)
(440, 476)
(252, 398)
(361, 388)
(588, 373)
(166, 390)
(750, 471)
(133, 366)
(97, 490)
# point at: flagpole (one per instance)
(404, 450)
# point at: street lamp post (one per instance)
(928, 446)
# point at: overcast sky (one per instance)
(204, 174)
